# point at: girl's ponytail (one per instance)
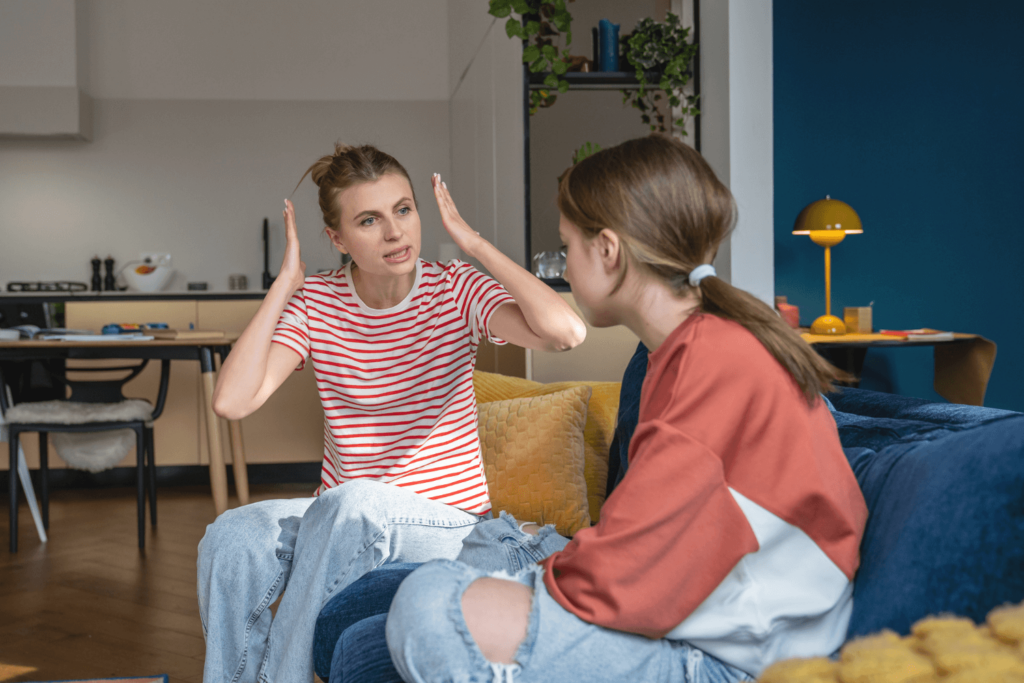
(671, 213)
(811, 372)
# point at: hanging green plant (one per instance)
(661, 46)
(543, 22)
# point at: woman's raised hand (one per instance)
(464, 236)
(293, 270)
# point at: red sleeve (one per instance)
(292, 329)
(669, 534)
(478, 296)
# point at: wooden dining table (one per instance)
(203, 350)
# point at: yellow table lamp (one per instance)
(828, 221)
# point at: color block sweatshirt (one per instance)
(738, 524)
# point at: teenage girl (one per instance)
(393, 342)
(733, 539)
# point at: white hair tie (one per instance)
(701, 272)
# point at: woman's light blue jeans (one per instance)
(315, 548)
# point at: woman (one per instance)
(733, 538)
(393, 342)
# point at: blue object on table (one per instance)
(156, 326)
(112, 329)
(609, 45)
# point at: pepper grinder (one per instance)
(97, 279)
(108, 280)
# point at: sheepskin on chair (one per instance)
(90, 451)
(93, 451)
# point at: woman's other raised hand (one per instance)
(465, 237)
(293, 270)
(539, 319)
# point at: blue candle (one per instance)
(609, 45)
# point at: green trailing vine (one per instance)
(543, 21)
(661, 46)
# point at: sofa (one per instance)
(944, 485)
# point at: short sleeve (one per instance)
(477, 296)
(293, 327)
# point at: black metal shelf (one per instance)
(556, 283)
(593, 80)
(598, 80)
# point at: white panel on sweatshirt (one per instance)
(788, 599)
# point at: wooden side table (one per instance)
(962, 366)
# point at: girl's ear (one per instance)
(335, 237)
(609, 249)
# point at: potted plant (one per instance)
(663, 47)
(585, 150)
(543, 23)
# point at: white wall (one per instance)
(196, 179)
(42, 70)
(737, 130)
(37, 43)
(268, 50)
(487, 127)
(207, 112)
(469, 20)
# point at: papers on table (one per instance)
(922, 334)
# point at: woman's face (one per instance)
(586, 274)
(380, 227)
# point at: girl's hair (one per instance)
(671, 213)
(348, 166)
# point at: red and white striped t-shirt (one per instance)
(397, 384)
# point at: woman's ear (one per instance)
(609, 250)
(335, 237)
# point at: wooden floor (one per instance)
(89, 604)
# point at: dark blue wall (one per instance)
(912, 112)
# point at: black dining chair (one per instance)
(94, 406)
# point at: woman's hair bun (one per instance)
(323, 166)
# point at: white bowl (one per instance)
(144, 278)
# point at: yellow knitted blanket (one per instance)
(943, 649)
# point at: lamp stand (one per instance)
(827, 222)
(828, 324)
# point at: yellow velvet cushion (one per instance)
(597, 434)
(533, 458)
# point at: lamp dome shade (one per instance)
(827, 214)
